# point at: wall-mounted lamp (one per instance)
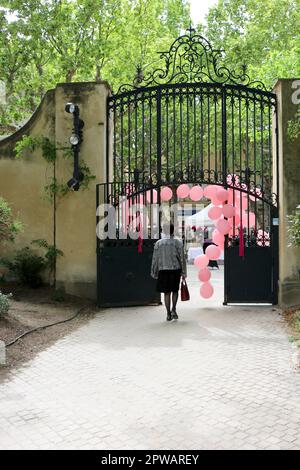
(75, 140)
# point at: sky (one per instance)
(199, 8)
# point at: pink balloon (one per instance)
(218, 238)
(196, 193)
(223, 226)
(228, 211)
(154, 196)
(183, 191)
(221, 194)
(215, 201)
(206, 290)
(166, 194)
(210, 191)
(213, 252)
(201, 261)
(204, 275)
(214, 213)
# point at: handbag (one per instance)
(185, 295)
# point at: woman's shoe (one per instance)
(169, 317)
(174, 315)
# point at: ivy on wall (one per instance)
(294, 229)
(53, 187)
(293, 127)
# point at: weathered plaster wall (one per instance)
(289, 193)
(76, 214)
(22, 183)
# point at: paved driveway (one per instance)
(220, 378)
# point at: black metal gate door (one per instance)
(192, 121)
(252, 278)
(124, 274)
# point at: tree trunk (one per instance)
(70, 75)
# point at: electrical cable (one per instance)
(43, 327)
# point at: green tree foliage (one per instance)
(263, 34)
(50, 41)
(46, 42)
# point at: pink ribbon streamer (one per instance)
(241, 245)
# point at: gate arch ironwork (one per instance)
(193, 120)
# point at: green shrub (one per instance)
(294, 229)
(4, 303)
(9, 227)
(27, 266)
(51, 255)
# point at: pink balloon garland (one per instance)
(234, 205)
(206, 290)
(166, 194)
(183, 191)
(196, 193)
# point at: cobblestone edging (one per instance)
(2, 353)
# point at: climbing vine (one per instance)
(294, 229)
(30, 144)
(293, 127)
(49, 152)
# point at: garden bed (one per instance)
(31, 308)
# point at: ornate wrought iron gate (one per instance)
(193, 121)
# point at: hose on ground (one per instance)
(43, 327)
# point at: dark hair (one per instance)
(168, 228)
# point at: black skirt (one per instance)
(168, 280)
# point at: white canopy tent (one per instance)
(200, 219)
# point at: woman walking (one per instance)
(168, 266)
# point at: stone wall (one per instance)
(71, 221)
(289, 192)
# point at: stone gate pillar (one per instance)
(288, 95)
(76, 212)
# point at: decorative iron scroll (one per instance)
(192, 59)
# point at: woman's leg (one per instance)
(167, 297)
(168, 301)
(174, 301)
